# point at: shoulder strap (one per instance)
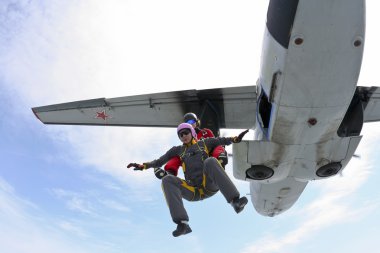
(204, 147)
(183, 152)
(181, 158)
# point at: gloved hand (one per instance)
(160, 173)
(137, 166)
(238, 138)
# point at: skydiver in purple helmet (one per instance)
(204, 175)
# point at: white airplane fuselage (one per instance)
(311, 59)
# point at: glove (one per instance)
(238, 138)
(137, 166)
(223, 159)
(160, 173)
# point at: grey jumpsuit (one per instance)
(204, 176)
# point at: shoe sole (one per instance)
(244, 203)
(187, 231)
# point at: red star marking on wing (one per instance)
(101, 115)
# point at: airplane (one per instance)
(306, 109)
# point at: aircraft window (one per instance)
(264, 109)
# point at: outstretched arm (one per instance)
(238, 138)
(137, 166)
(174, 151)
(213, 142)
(158, 172)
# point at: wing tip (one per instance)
(36, 114)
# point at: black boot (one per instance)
(239, 203)
(182, 229)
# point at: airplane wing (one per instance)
(233, 107)
(370, 97)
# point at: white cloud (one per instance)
(94, 204)
(10, 204)
(315, 217)
(22, 231)
(112, 204)
(88, 203)
(325, 212)
(72, 228)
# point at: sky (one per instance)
(67, 189)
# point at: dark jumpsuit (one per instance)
(218, 152)
(204, 176)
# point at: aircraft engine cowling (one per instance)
(329, 170)
(259, 172)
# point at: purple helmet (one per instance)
(187, 126)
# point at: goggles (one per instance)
(183, 132)
(191, 121)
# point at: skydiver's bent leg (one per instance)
(214, 171)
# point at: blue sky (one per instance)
(67, 189)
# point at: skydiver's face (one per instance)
(185, 136)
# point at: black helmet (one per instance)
(191, 118)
